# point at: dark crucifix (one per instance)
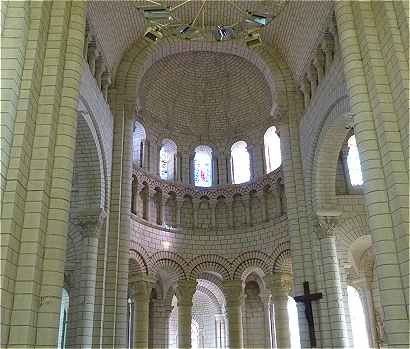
(307, 299)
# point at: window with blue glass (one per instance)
(203, 166)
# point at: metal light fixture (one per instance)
(153, 34)
(253, 39)
(258, 20)
(157, 13)
(162, 20)
(223, 33)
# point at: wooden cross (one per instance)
(307, 299)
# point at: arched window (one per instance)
(293, 324)
(62, 328)
(353, 162)
(240, 163)
(138, 139)
(203, 166)
(272, 149)
(167, 160)
(360, 336)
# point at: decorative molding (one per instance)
(328, 220)
(91, 221)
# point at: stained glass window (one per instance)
(240, 163)
(137, 144)
(353, 162)
(272, 149)
(167, 160)
(203, 166)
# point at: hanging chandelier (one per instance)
(162, 19)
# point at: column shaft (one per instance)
(281, 321)
(185, 291)
(334, 292)
(233, 292)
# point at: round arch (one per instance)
(142, 55)
(329, 144)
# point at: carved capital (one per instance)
(328, 220)
(233, 292)
(280, 284)
(349, 121)
(91, 221)
(185, 291)
(319, 63)
(142, 285)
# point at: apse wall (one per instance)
(190, 243)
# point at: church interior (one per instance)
(204, 174)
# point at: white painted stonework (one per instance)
(98, 251)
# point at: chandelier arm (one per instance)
(154, 2)
(245, 13)
(200, 10)
(178, 6)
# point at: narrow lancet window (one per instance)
(353, 162)
(203, 166)
(272, 149)
(240, 163)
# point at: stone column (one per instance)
(212, 207)
(145, 155)
(184, 167)
(180, 202)
(160, 328)
(142, 286)
(195, 208)
(233, 296)
(105, 84)
(87, 38)
(261, 196)
(92, 55)
(267, 305)
(312, 77)
(152, 206)
(222, 168)
(327, 48)
(280, 285)
(229, 168)
(220, 332)
(185, 291)
(332, 277)
(252, 161)
(229, 203)
(91, 223)
(164, 199)
(319, 64)
(305, 88)
(99, 69)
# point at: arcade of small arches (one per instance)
(202, 186)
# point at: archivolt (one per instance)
(330, 142)
(210, 263)
(253, 259)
